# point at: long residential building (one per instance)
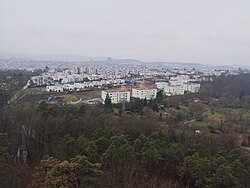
(144, 93)
(181, 89)
(56, 88)
(116, 96)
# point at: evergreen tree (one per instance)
(120, 152)
(145, 102)
(159, 96)
(68, 147)
(108, 102)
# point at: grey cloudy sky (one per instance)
(201, 31)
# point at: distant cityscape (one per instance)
(120, 79)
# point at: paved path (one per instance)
(193, 120)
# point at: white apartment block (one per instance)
(116, 96)
(144, 93)
(161, 85)
(171, 90)
(179, 80)
(193, 87)
(71, 85)
(42, 80)
(58, 88)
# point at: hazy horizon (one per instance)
(206, 32)
(71, 57)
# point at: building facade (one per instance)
(116, 96)
(144, 93)
(54, 88)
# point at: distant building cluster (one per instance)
(180, 85)
(65, 81)
(83, 85)
(123, 80)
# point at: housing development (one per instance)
(123, 81)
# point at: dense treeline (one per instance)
(14, 80)
(79, 146)
(150, 156)
(232, 86)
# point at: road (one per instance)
(18, 94)
(193, 120)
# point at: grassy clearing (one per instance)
(214, 116)
(34, 91)
(70, 98)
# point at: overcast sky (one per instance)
(199, 31)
